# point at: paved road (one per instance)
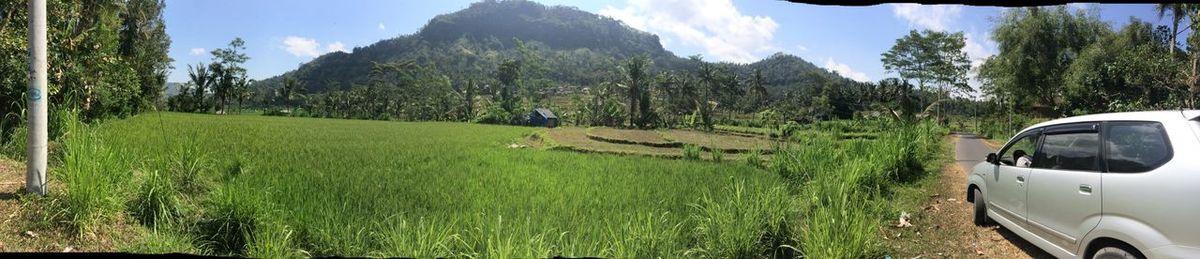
(970, 150)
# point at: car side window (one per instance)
(1069, 151)
(1023, 146)
(1134, 147)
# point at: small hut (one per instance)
(543, 117)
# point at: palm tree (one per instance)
(1178, 12)
(200, 77)
(635, 82)
(289, 92)
(710, 82)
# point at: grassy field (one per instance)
(264, 186)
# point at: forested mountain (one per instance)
(574, 48)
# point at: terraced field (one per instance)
(656, 143)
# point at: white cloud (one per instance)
(933, 17)
(978, 50)
(845, 71)
(336, 46)
(714, 25)
(197, 51)
(381, 27)
(1081, 6)
(302, 47)
(306, 47)
(801, 48)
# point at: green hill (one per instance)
(579, 47)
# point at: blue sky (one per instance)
(282, 35)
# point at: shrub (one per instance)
(691, 152)
(754, 158)
(717, 155)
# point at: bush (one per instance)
(754, 158)
(717, 155)
(691, 152)
(494, 115)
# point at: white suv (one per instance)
(1116, 185)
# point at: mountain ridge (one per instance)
(580, 47)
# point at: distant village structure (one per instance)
(543, 117)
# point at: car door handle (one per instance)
(1020, 179)
(1085, 189)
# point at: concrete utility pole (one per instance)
(35, 159)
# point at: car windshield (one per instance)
(549, 128)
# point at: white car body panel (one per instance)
(1154, 211)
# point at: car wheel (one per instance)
(1115, 253)
(980, 209)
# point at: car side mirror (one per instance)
(991, 158)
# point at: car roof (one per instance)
(1118, 116)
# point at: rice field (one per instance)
(299, 186)
(260, 186)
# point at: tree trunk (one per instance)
(1193, 89)
(1174, 36)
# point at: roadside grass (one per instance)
(915, 199)
(849, 188)
(92, 180)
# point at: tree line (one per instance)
(631, 93)
(215, 86)
(1056, 63)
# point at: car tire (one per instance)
(980, 216)
(1116, 252)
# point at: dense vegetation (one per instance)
(1054, 63)
(109, 58)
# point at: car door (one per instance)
(1006, 191)
(1064, 184)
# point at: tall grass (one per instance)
(290, 187)
(92, 177)
(285, 187)
(725, 227)
(157, 199)
(419, 238)
(846, 186)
